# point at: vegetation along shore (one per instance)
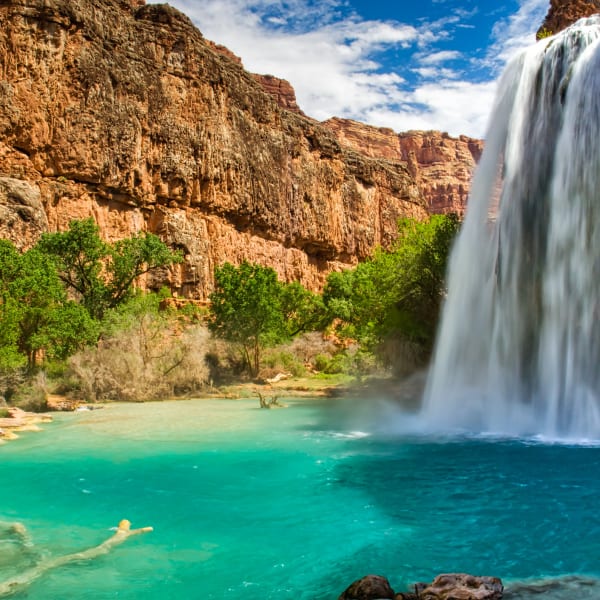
(77, 324)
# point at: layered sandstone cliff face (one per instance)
(123, 111)
(442, 166)
(563, 13)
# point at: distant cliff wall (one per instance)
(441, 165)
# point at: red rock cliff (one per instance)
(441, 165)
(123, 111)
(563, 13)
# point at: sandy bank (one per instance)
(20, 420)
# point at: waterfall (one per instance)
(518, 349)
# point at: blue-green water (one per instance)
(290, 504)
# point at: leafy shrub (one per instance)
(32, 395)
(225, 360)
(322, 362)
(308, 346)
(10, 380)
(355, 361)
(279, 360)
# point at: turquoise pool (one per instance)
(292, 503)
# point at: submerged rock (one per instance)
(569, 586)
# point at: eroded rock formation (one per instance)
(460, 586)
(563, 13)
(123, 111)
(441, 165)
(281, 90)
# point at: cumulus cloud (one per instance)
(334, 59)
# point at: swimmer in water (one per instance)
(16, 547)
(16, 530)
(123, 531)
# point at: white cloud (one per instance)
(332, 59)
(436, 73)
(277, 20)
(434, 58)
(518, 31)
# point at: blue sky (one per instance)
(418, 64)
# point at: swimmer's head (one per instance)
(124, 525)
(19, 528)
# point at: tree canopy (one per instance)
(253, 309)
(35, 313)
(396, 293)
(102, 274)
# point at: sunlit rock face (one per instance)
(441, 165)
(563, 13)
(123, 111)
(281, 90)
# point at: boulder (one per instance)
(461, 586)
(370, 587)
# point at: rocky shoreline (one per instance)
(448, 586)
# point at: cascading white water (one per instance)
(518, 350)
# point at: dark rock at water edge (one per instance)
(368, 587)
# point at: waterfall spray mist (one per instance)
(518, 350)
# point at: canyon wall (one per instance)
(124, 112)
(441, 165)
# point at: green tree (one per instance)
(79, 255)
(302, 309)
(131, 258)
(37, 318)
(246, 308)
(103, 275)
(422, 252)
(396, 293)
(361, 300)
(10, 357)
